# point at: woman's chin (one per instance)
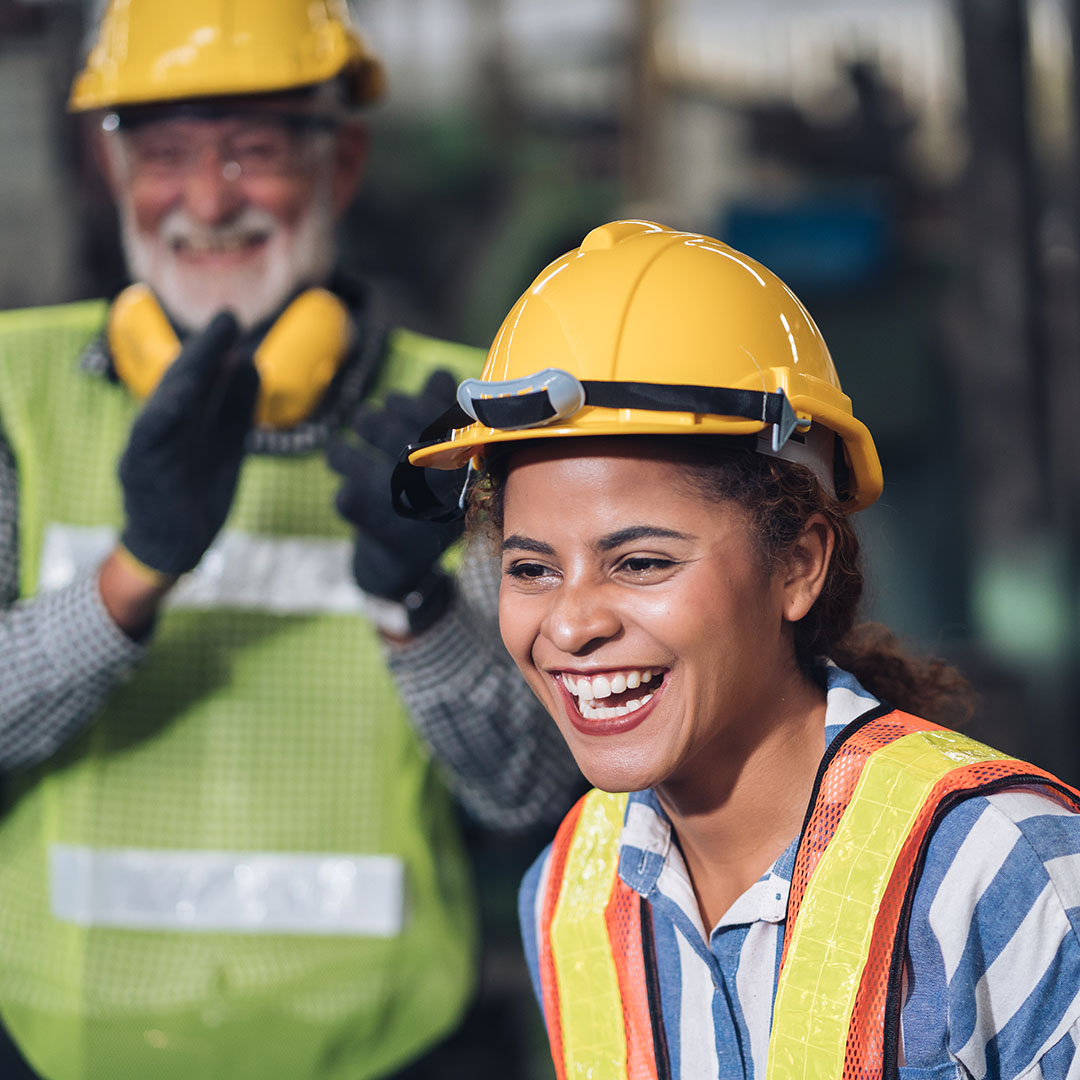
(617, 772)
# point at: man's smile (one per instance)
(200, 247)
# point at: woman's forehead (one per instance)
(604, 486)
(615, 465)
(593, 451)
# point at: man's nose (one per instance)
(581, 616)
(212, 194)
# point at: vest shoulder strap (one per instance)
(410, 358)
(596, 953)
(40, 344)
(881, 791)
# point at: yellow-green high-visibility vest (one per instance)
(883, 786)
(246, 866)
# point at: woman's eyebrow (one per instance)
(525, 543)
(633, 533)
(613, 540)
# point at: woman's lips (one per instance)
(610, 725)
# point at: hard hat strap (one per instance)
(411, 494)
(769, 408)
(515, 405)
(552, 394)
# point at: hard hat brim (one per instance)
(470, 442)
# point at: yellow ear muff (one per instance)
(296, 361)
(142, 342)
(299, 357)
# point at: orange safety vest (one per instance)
(883, 786)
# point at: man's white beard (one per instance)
(253, 290)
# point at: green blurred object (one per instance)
(454, 222)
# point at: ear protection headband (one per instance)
(296, 360)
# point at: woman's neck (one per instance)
(736, 816)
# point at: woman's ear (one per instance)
(807, 567)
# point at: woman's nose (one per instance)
(580, 618)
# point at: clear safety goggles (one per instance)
(243, 145)
(552, 395)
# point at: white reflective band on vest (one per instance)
(242, 571)
(359, 895)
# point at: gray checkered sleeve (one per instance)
(502, 753)
(60, 652)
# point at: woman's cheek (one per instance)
(518, 625)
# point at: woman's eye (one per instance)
(642, 565)
(527, 571)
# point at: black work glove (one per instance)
(395, 558)
(183, 456)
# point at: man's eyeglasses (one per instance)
(248, 146)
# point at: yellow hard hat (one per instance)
(645, 330)
(152, 51)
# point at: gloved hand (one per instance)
(394, 558)
(182, 462)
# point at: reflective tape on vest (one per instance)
(244, 892)
(830, 941)
(280, 575)
(593, 1035)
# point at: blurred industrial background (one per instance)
(910, 167)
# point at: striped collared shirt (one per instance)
(993, 975)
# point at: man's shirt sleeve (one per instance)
(60, 652)
(504, 757)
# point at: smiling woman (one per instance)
(787, 868)
(647, 582)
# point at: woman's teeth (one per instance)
(590, 689)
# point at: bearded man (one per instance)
(224, 850)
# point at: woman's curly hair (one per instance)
(780, 497)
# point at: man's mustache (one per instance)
(251, 225)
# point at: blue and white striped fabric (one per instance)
(993, 975)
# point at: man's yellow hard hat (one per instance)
(150, 51)
(646, 330)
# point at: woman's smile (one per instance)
(641, 612)
(611, 702)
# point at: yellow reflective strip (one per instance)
(831, 939)
(594, 1039)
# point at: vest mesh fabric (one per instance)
(245, 730)
(833, 796)
(623, 919)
